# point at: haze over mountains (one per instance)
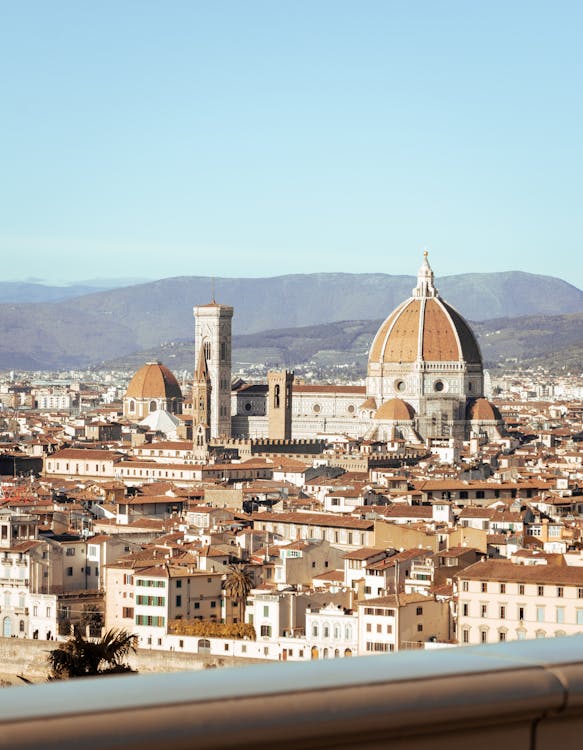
(91, 328)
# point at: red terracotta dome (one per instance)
(395, 410)
(155, 381)
(424, 328)
(482, 410)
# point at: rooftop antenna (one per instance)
(213, 289)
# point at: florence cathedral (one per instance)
(424, 384)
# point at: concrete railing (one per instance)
(524, 695)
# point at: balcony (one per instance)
(524, 695)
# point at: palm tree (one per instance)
(238, 584)
(82, 657)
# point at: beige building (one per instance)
(145, 598)
(501, 601)
(403, 621)
(345, 532)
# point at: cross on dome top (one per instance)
(425, 286)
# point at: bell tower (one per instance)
(279, 405)
(201, 404)
(212, 336)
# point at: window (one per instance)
(580, 617)
(150, 620)
(419, 611)
(540, 614)
(213, 605)
(128, 612)
(315, 631)
(70, 552)
(368, 627)
(483, 587)
(420, 627)
(560, 615)
(178, 584)
(560, 591)
(69, 571)
(483, 610)
(521, 589)
(465, 635)
(502, 612)
(465, 586)
(465, 609)
(483, 636)
(540, 590)
(521, 613)
(178, 600)
(580, 593)
(266, 611)
(266, 631)
(502, 635)
(502, 588)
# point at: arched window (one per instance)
(336, 632)
(207, 350)
(326, 631)
(276, 397)
(153, 406)
(348, 633)
(132, 405)
(315, 631)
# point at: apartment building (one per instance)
(499, 600)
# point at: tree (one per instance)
(238, 584)
(83, 657)
(92, 617)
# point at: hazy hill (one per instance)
(555, 342)
(25, 292)
(115, 323)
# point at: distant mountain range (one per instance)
(108, 325)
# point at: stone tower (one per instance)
(212, 335)
(279, 404)
(201, 406)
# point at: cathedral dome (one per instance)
(155, 381)
(482, 410)
(396, 410)
(424, 328)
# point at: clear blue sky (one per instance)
(247, 138)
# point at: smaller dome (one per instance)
(154, 380)
(483, 410)
(395, 410)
